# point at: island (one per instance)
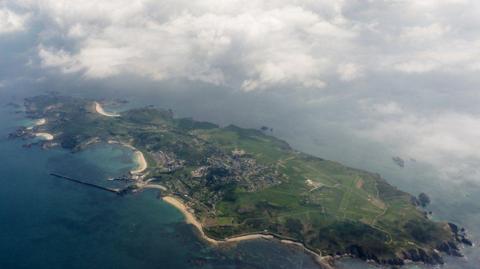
(399, 161)
(236, 184)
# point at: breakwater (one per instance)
(113, 190)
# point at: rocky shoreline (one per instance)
(414, 255)
(419, 255)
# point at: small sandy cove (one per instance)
(140, 160)
(44, 136)
(138, 156)
(40, 122)
(99, 109)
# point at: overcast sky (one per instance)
(403, 74)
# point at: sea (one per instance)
(50, 223)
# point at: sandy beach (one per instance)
(123, 144)
(138, 156)
(189, 217)
(40, 122)
(99, 109)
(248, 237)
(155, 186)
(45, 136)
(140, 160)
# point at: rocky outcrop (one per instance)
(415, 255)
(399, 161)
(423, 199)
(420, 255)
(450, 248)
(460, 234)
(20, 132)
(359, 252)
(432, 257)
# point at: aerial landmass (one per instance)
(237, 184)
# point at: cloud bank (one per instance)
(254, 45)
(405, 72)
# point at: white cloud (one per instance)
(431, 4)
(59, 59)
(11, 22)
(258, 45)
(416, 66)
(350, 71)
(416, 34)
(459, 56)
(381, 109)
